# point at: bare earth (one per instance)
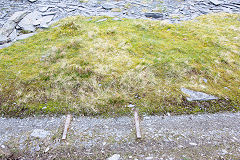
(206, 136)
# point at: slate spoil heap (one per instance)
(18, 17)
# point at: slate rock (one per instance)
(32, 1)
(114, 157)
(215, 2)
(24, 36)
(154, 14)
(18, 16)
(44, 21)
(236, 2)
(40, 133)
(28, 22)
(197, 96)
(108, 6)
(3, 39)
(7, 28)
(43, 9)
(101, 20)
(13, 35)
(5, 45)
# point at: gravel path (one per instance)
(206, 136)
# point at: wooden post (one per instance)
(137, 124)
(66, 127)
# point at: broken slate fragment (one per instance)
(24, 36)
(3, 39)
(101, 20)
(40, 133)
(7, 28)
(154, 14)
(32, 1)
(215, 2)
(197, 96)
(18, 16)
(108, 6)
(114, 157)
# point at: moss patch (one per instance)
(93, 68)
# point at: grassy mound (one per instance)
(91, 68)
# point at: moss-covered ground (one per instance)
(87, 67)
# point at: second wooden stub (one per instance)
(66, 127)
(137, 124)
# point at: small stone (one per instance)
(48, 13)
(45, 19)
(5, 45)
(114, 157)
(108, 6)
(148, 158)
(43, 9)
(37, 148)
(8, 28)
(47, 149)
(131, 105)
(13, 35)
(62, 5)
(197, 96)
(28, 22)
(32, 1)
(24, 36)
(193, 144)
(40, 133)
(117, 19)
(101, 20)
(224, 151)
(154, 14)
(215, 2)
(3, 39)
(18, 16)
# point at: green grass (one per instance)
(90, 68)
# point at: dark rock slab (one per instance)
(154, 15)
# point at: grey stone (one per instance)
(48, 13)
(215, 2)
(28, 22)
(5, 45)
(18, 16)
(108, 6)
(117, 19)
(45, 20)
(62, 5)
(13, 35)
(8, 28)
(32, 1)
(43, 9)
(101, 20)
(197, 96)
(37, 148)
(236, 2)
(40, 133)
(24, 36)
(29, 28)
(3, 39)
(114, 157)
(154, 14)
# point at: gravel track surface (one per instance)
(205, 136)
